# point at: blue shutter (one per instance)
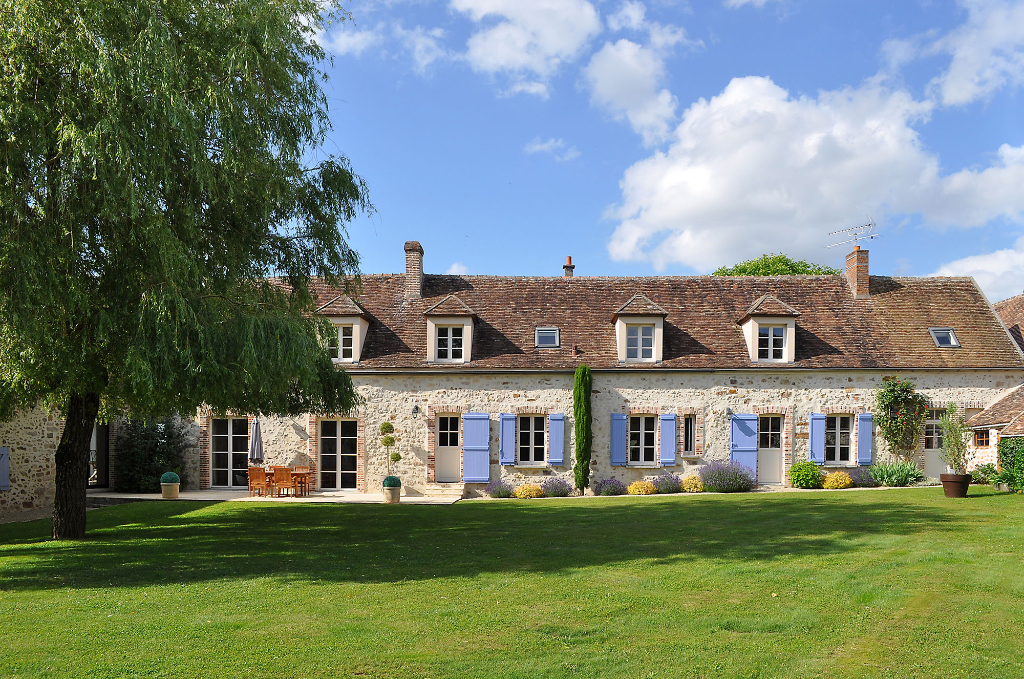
(5, 468)
(817, 438)
(556, 439)
(476, 447)
(619, 439)
(865, 432)
(668, 439)
(506, 439)
(743, 441)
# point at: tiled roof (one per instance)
(889, 330)
(639, 305)
(1001, 412)
(340, 305)
(769, 305)
(449, 306)
(1011, 311)
(1015, 428)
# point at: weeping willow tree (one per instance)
(165, 206)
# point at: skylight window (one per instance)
(944, 338)
(546, 338)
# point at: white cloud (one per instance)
(1000, 274)
(987, 52)
(755, 170)
(630, 16)
(527, 40)
(457, 269)
(734, 4)
(552, 146)
(423, 44)
(347, 40)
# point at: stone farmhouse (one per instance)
(476, 375)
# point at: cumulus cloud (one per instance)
(554, 147)
(347, 40)
(630, 16)
(527, 40)
(457, 269)
(423, 44)
(734, 4)
(755, 170)
(1000, 274)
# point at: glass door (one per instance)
(338, 451)
(229, 443)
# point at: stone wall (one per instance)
(32, 436)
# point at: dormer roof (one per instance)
(449, 306)
(768, 305)
(639, 305)
(341, 305)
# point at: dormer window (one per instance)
(546, 338)
(771, 342)
(944, 338)
(449, 343)
(341, 346)
(449, 331)
(639, 342)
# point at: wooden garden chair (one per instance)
(258, 483)
(302, 479)
(283, 480)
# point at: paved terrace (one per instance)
(102, 497)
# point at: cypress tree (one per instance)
(582, 417)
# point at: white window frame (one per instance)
(751, 328)
(448, 334)
(435, 322)
(536, 338)
(776, 343)
(644, 418)
(837, 446)
(781, 432)
(358, 327)
(337, 454)
(934, 332)
(933, 429)
(623, 323)
(533, 462)
(230, 451)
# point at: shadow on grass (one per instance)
(178, 542)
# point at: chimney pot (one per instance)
(413, 269)
(568, 267)
(857, 273)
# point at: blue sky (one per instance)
(667, 137)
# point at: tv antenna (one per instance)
(862, 232)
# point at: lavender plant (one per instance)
(668, 483)
(726, 477)
(499, 489)
(556, 487)
(609, 487)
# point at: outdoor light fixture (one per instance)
(415, 409)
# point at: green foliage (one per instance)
(582, 417)
(395, 457)
(896, 474)
(392, 482)
(805, 474)
(1011, 463)
(955, 439)
(900, 413)
(983, 474)
(148, 449)
(386, 428)
(775, 265)
(170, 477)
(388, 441)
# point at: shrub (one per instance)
(983, 474)
(556, 487)
(692, 484)
(1011, 463)
(805, 474)
(896, 474)
(147, 449)
(641, 488)
(837, 480)
(499, 489)
(170, 477)
(392, 482)
(668, 483)
(527, 491)
(609, 487)
(955, 438)
(900, 413)
(861, 477)
(726, 477)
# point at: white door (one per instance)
(447, 452)
(933, 464)
(769, 449)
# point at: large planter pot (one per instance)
(169, 491)
(955, 485)
(393, 496)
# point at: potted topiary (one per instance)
(955, 436)
(169, 483)
(392, 484)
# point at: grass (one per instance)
(849, 584)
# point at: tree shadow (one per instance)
(180, 542)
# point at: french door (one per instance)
(229, 443)
(338, 440)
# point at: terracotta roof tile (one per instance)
(889, 330)
(769, 305)
(1001, 412)
(449, 306)
(340, 305)
(1011, 311)
(639, 305)
(1015, 428)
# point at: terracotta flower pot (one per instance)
(393, 496)
(955, 485)
(169, 491)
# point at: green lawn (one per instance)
(901, 583)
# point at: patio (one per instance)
(221, 495)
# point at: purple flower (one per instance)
(726, 477)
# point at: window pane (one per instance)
(442, 331)
(220, 427)
(328, 480)
(456, 354)
(328, 428)
(347, 446)
(220, 477)
(457, 333)
(220, 461)
(631, 352)
(348, 480)
(777, 332)
(240, 426)
(329, 463)
(777, 354)
(776, 441)
(328, 446)
(457, 341)
(348, 428)
(348, 463)
(220, 444)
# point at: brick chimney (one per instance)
(857, 272)
(568, 267)
(413, 269)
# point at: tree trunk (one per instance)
(72, 472)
